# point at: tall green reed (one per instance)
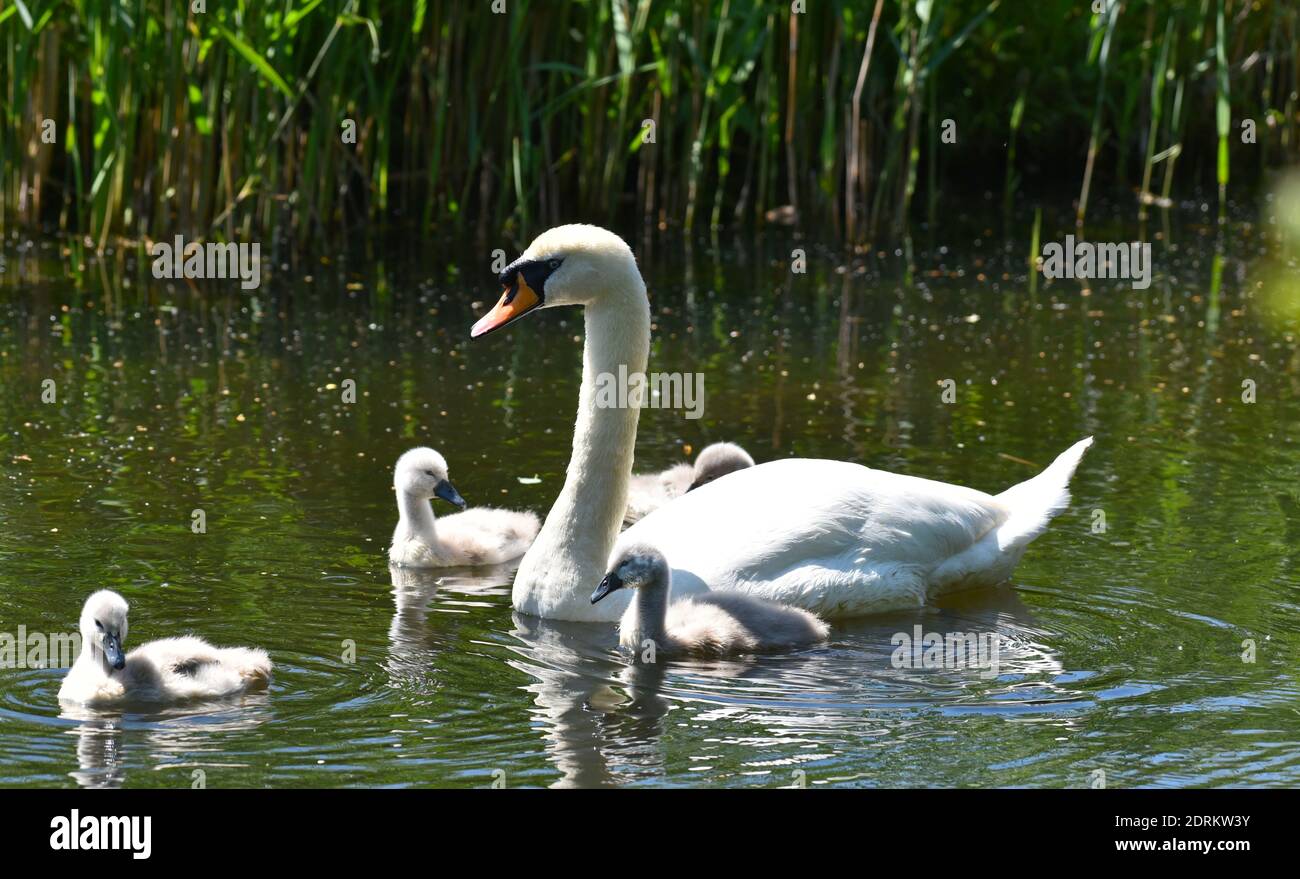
(231, 122)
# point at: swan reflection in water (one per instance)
(413, 642)
(606, 721)
(184, 740)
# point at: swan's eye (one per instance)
(429, 473)
(553, 264)
(99, 625)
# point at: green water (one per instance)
(1122, 648)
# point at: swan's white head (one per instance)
(103, 625)
(718, 460)
(568, 265)
(639, 566)
(422, 473)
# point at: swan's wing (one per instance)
(828, 536)
(183, 654)
(188, 667)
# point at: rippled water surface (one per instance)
(1122, 634)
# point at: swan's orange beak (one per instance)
(516, 300)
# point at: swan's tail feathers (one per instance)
(1035, 501)
(254, 666)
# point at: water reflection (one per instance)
(99, 751)
(572, 668)
(604, 719)
(414, 643)
(193, 740)
(413, 590)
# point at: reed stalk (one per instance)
(230, 123)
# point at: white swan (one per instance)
(709, 624)
(166, 670)
(481, 536)
(831, 537)
(648, 492)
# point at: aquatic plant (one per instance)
(141, 119)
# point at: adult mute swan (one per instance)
(481, 536)
(835, 538)
(648, 492)
(166, 670)
(709, 624)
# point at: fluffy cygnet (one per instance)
(166, 670)
(648, 492)
(481, 536)
(707, 624)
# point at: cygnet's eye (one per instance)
(99, 625)
(429, 473)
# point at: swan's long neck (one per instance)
(604, 438)
(416, 516)
(568, 558)
(93, 656)
(651, 611)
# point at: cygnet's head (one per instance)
(637, 567)
(422, 473)
(568, 265)
(103, 625)
(717, 460)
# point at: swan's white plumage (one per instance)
(599, 273)
(178, 669)
(1035, 501)
(828, 536)
(478, 536)
(648, 492)
(840, 539)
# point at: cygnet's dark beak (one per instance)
(611, 583)
(448, 493)
(113, 651)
